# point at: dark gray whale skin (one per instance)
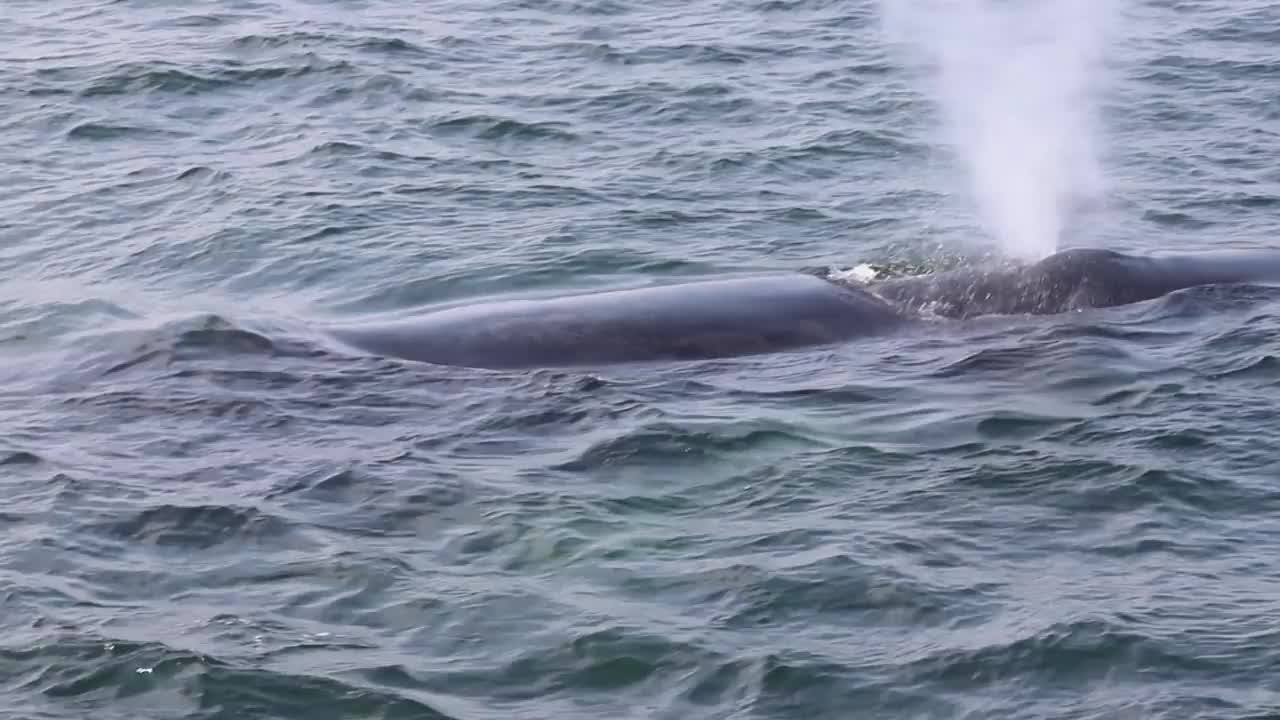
(690, 321)
(757, 314)
(1073, 280)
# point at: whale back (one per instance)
(1072, 280)
(698, 320)
(1055, 284)
(772, 313)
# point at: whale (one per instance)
(760, 313)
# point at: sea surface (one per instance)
(213, 511)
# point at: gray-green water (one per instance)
(211, 512)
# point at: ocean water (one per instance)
(213, 512)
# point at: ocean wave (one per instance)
(197, 527)
(140, 78)
(130, 675)
(664, 443)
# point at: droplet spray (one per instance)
(1018, 86)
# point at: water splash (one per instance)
(1018, 83)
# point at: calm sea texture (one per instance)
(211, 511)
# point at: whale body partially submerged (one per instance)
(755, 314)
